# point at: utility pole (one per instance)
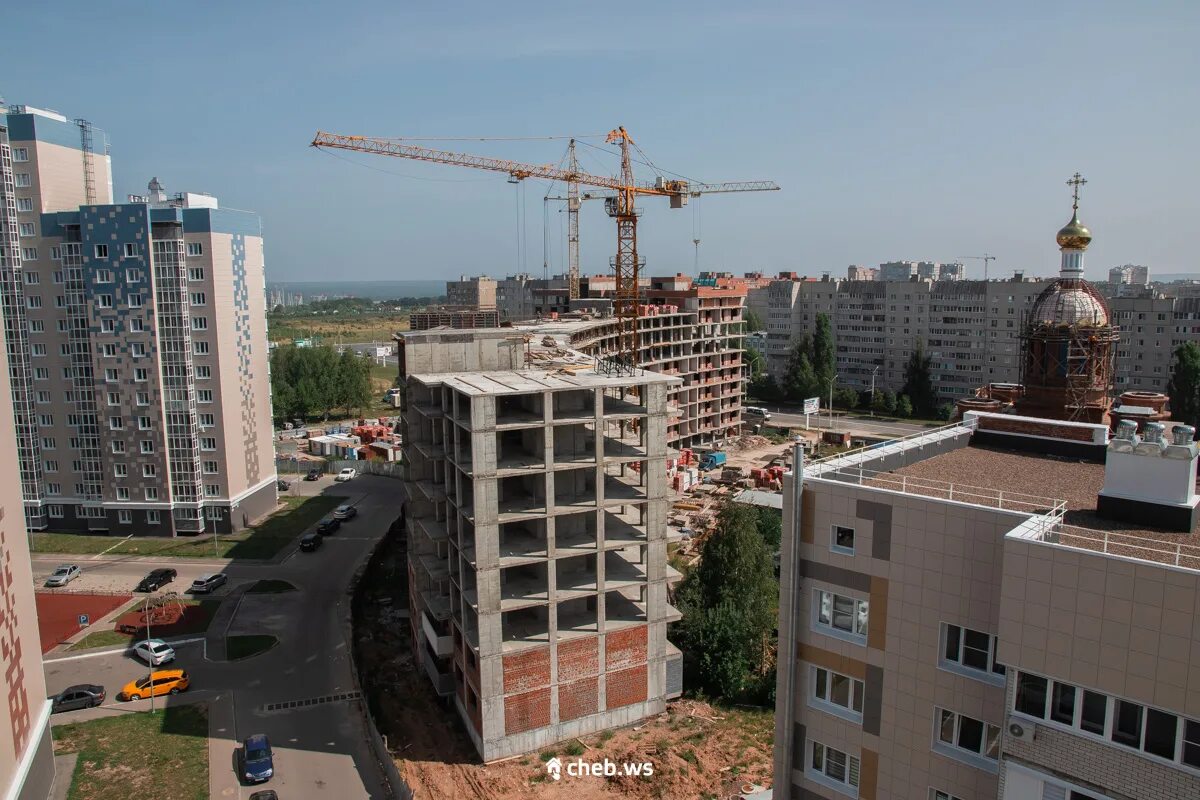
(151, 675)
(831, 385)
(873, 389)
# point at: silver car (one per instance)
(154, 652)
(207, 583)
(63, 575)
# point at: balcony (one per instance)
(443, 682)
(442, 644)
(435, 566)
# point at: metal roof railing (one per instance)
(1116, 543)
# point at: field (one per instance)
(139, 755)
(261, 541)
(359, 328)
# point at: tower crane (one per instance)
(985, 258)
(619, 202)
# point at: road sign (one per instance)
(812, 405)
(83, 620)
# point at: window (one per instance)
(37, 326)
(104, 276)
(140, 375)
(43, 396)
(214, 512)
(104, 301)
(125, 516)
(37, 349)
(842, 540)
(146, 447)
(24, 204)
(938, 794)
(50, 466)
(33, 301)
(199, 323)
(151, 494)
(118, 447)
(20, 154)
(142, 398)
(101, 251)
(208, 443)
(114, 398)
(41, 374)
(54, 511)
(204, 396)
(134, 301)
(151, 517)
(148, 471)
(842, 616)
(54, 488)
(835, 689)
(196, 273)
(109, 350)
(210, 468)
(46, 420)
(133, 275)
(144, 423)
(197, 298)
(130, 249)
(137, 350)
(110, 376)
(56, 254)
(967, 734)
(64, 349)
(108, 326)
(203, 372)
(29, 253)
(195, 249)
(26, 229)
(207, 420)
(48, 443)
(120, 471)
(833, 765)
(136, 325)
(116, 423)
(212, 490)
(200, 348)
(21, 180)
(963, 648)
(122, 493)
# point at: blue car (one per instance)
(257, 765)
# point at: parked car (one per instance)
(159, 682)
(311, 541)
(64, 574)
(345, 512)
(265, 794)
(756, 411)
(207, 583)
(313, 475)
(328, 526)
(282, 485)
(349, 473)
(73, 698)
(157, 578)
(154, 652)
(257, 764)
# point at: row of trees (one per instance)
(313, 381)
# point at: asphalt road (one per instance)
(321, 749)
(855, 425)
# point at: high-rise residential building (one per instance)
(928, 270)
(474, 293)
(537, 535)
(858, 273)
(1130, 275)
(141, 387)
(1004, 609)
(26, 751)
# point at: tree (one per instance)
(846, 398)
(918, 383)
(878, 404)
(752, 321)
(728, 602)
(945, 411)
(354, 381)
(904, 406)
(889, 401)
(765, 388)
(824, 355)
(754, 362)
(1184, 388)
(770, 527)
(800, 380)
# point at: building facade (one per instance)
(537, 537)
(141, 385)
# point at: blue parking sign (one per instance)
(83, 620)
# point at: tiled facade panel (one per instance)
(625, 687)
(578, 699)
(625, 647)
(526, 669)
(524, 712)
(578, 657)
(1103, 623)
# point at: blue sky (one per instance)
(918, 130)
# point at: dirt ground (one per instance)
(58, 613)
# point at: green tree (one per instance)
(824, 355)
(754, 362)
(878, 404)
(945, 411)
(728, 602)
(800, 380)
(904, 406)
(845, 397)
(918, 381)
(752, 321)
(765, 388)
(1184, 388)
(354, 381)
(889, 401)
(770, 527)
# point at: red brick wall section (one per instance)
(578, 699)
(625, 648)
(626, 687)
(578, 657)
(1027, 428)
(527, 670)
(524, 712)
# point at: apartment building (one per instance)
(537, 536)
(1130, 275)
(141, 387)
(26, 749)
(920, 270)
(985, 611)
(477, 293)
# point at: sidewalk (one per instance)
(222, 747)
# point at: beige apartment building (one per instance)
(1002, 608)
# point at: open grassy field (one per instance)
(361, 328)
(261, 541)
(139, 755)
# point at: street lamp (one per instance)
(873, 389)
(831, 385)
(151, 651)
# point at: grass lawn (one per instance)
(261, 541)
(271, 587)
(193, 623)
(139, 755)
(101, 639)
(237, 647)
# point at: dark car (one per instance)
(311, 541)
(345, 512)
(282, 485)
(257, 765)
(85, 695)
(157, 577)
(265, 794)
(328, 526)
(313, 474)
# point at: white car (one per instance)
(207, 583)
(154, 651)
(346, 474)
(63, 575)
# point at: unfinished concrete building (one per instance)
(537, 504)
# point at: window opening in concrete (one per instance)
(525, 626)
(575, 533)
(521, 449)
(575, 488)
(522, 541)
(575, 443)
(577, 617)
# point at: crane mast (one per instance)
(572, 226)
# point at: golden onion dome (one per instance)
(1074, 236)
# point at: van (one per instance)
(757, 412)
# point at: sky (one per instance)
(920, 130)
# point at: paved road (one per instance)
(789, 417)
(321, 749)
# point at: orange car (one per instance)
(160, 682)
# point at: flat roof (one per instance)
(538, 380)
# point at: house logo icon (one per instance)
(554, 768)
